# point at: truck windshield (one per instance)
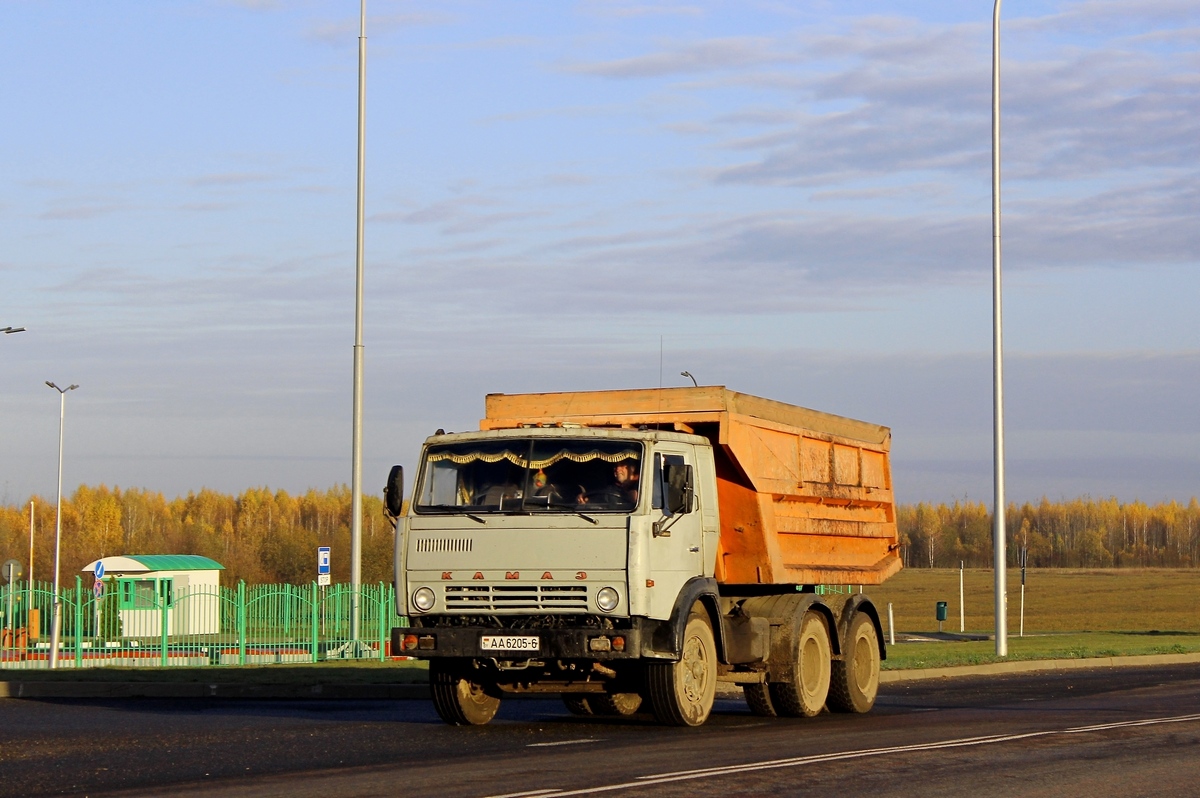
(531, 475)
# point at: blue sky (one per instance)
(790, 199)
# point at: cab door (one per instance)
(677, 539)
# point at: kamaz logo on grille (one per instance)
(448, 576)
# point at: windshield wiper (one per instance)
(450, 508)
(570, 506)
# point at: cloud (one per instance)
(82, 211)
(703, 56)
(255, 5)
(567, 179)
(260, 294)
(230, 179)
(1112, 16)
(837, 253)
(620, 9)
(889, 95)
(205, 207)
(458, 216)
(1134, 224)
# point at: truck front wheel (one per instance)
(459, 697)
(682, 693)
(616, 704)
(758, 698)
(855, 678)
(578, 704)
(621, 704)
(803, 696)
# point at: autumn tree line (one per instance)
(1084, 533)
(265, 536)
(261, 536)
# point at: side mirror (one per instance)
(679, 492)
(393, 492)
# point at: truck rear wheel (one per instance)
(855, 679)
(459, 698)
(682, 693)
(804, 694)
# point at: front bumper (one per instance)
(560, 643)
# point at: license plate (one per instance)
(509, 643)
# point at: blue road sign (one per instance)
(99, 570)
(323, 561)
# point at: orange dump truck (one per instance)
(631, 549)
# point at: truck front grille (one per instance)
(489, 598)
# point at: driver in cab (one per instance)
(624, 490)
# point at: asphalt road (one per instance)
(1113, 732)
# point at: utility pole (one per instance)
(356, 468)
(56, 617)
(1000, 560)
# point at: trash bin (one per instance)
(943, 611)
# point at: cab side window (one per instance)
(659, 461)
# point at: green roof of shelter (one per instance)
(177, 562)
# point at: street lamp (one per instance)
(356, 513)
(1000, 558)
(688, 374)
(56, 618)
(11, 330)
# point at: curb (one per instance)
(1030, 666)
(192, 690)
(420, 691)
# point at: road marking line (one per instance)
(562, 742)
(964, 742)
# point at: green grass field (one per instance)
(1068, 614)
(1126, 600)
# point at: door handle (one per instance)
(693, 548)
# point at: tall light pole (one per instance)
(356, 468)
(56, 618)
(1000, 560)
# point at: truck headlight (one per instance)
(607, 599)
(423, 599)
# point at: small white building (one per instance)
(186, 587)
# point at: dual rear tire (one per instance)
(855, 677)
(803, 694)
(849, 684)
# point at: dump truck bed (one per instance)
(805, 497)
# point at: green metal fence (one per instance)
(244, 625)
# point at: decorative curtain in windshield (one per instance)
(528, 475)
